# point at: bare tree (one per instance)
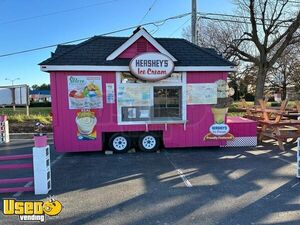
(273, 26)
(285, 72)
(216, 35)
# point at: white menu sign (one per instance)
(110, 93)
(204, 93)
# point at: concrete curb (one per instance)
(29, 136)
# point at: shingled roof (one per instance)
(95, 50)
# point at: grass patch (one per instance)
(38, 114)
(22, 111)
(21, 118)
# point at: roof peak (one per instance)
(137, 34)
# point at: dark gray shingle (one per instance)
(94, 51)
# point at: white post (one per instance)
(41, 170)
(4, 132)
(27, 110)
(298, 158)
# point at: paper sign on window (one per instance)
(110, 93)
(135, 95)
(204, 93)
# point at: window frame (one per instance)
(182, 84)
(180, 102)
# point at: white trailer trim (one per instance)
(49, 68)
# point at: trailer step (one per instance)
(16, 166)
(15, 157)
(16, 189)
(16, 180)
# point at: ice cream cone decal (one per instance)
(220, 130)
(219, 114)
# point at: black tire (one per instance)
(153, 142)
(124, 143)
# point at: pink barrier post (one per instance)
(3, 118)
(40, 141)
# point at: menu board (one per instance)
(85, 92)
(135, 95)
(204, 93)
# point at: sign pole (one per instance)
(27, 101)
(13, 98)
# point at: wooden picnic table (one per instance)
(294, 116)
(275, 122)
(281, 131)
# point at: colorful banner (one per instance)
(86, 125)
(204, 93)
(85, 92)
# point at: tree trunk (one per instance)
(260, 83)
(284, 90)
(284, 86)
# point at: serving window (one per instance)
(167, 103)
(143, 101)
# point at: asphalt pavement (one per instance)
(176, 186)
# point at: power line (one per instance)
(58, 12)
(235, 16)
(294, 2)
(104, 34)
(93, 5)
(234, 21)
(179, 27)
(153, 3)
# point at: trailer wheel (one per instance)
(148, 142)
(119, 143)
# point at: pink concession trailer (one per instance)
(116, 92)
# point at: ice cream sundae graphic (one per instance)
(85, 95)
(86, 122)
(77, 98)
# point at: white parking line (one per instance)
(282, 159)
(30, 183)
(183, 177)
(179, 172)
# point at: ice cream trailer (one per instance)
(117, 92)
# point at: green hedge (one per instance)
(40, 104)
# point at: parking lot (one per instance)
(183, 186)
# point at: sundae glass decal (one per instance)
(86, 122)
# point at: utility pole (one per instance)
(194, 21)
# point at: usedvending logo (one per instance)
(31, 210)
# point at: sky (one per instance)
(27, 24)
